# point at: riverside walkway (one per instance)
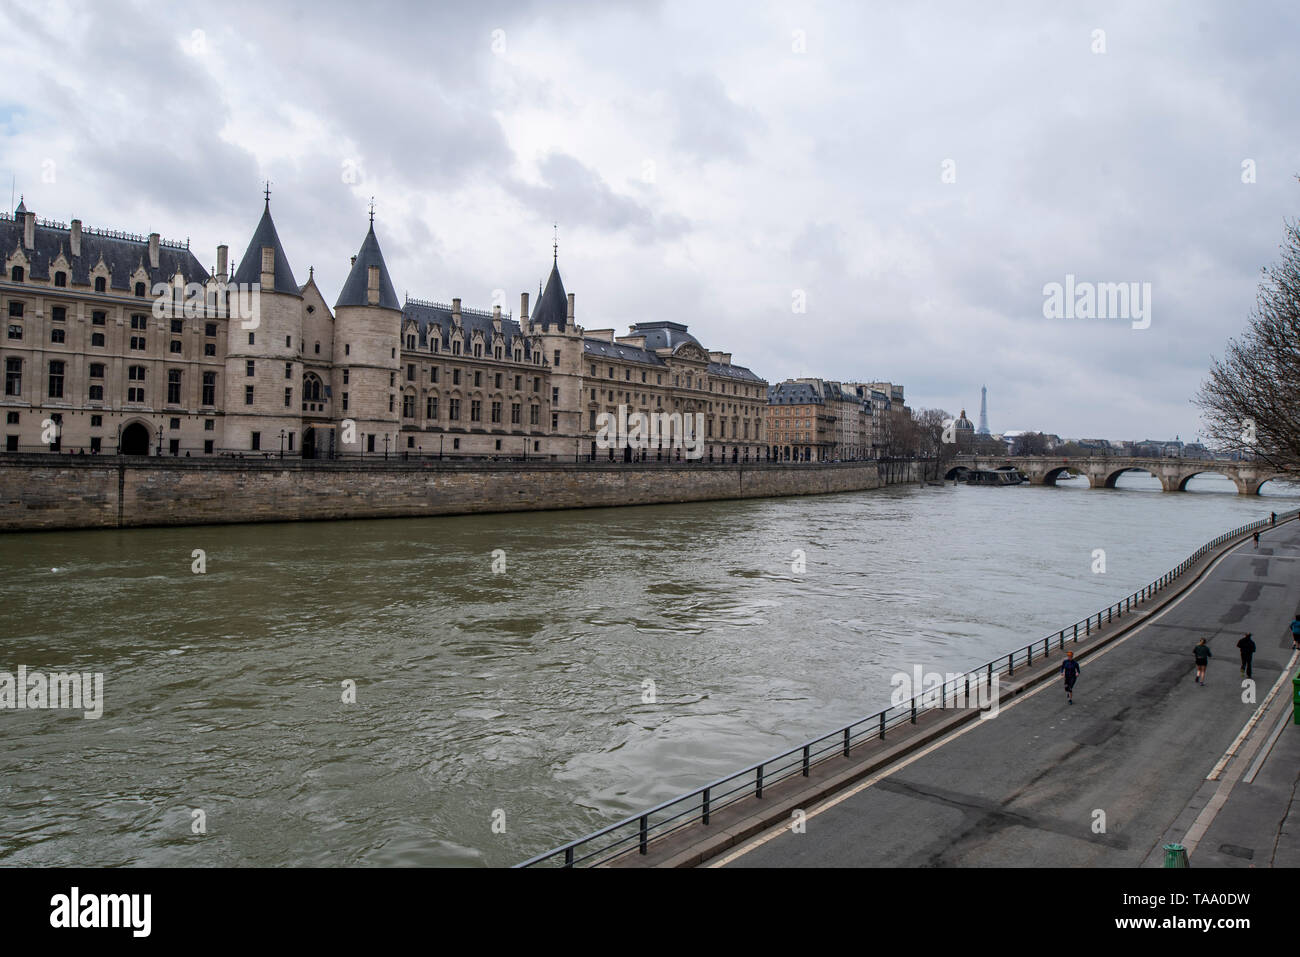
(1162, 758)
(1144, 757)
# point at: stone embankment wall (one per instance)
(47, 492)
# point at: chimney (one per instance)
(354, 260)
(496, 314)
(29, 230)
(570, 313)
(372, 285)
(268, 267)
(523, 308)
(455, 310)
(222, 252)
(153, 250)
(74, 240)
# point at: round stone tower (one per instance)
(263, 369)
(367, 333)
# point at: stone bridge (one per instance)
(1102, 471)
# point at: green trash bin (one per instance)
(1175, 855)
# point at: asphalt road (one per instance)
(1100, 783)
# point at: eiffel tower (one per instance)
(984, 411)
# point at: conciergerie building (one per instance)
(106, 352)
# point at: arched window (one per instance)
(100, 284)
(16, 274)
(311, 387)
(139, 289)
(60, 278)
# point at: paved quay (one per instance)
(1144, 756)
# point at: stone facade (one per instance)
(41, 492)
(94, 364)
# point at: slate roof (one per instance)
(553, 306)
(793, 393)
(250, 267)
(733, 372)
(121, 255)
(354, 289)
(616, 350)
(426, 314)
(664, 335)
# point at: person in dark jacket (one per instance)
(1070, 668)
(1203, 656)
(1295, 633)
(1247, 646)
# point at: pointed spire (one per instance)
(22, 206)
(372, 212)
(355, 288)
(250, 266)
(555, 245)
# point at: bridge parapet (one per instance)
(1103, 471)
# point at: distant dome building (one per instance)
(965, 430)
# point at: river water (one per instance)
(498, 714)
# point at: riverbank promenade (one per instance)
(1145, 756)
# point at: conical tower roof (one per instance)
(553, 307)
(250, 267)
(354, 289)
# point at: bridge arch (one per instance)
(1051, 475)
(1272, 477)
(1113, 477)
(1235, 480)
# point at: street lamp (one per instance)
(440, 438)
(282, 443)
(385, 446)
(160, 440)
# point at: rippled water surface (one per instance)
(522, 691)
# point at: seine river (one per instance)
(515, 697)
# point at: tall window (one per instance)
(173, 386)
(453, 410)
(408, 406)
(475, 410)
(13, 377)
(209, 389)
(56, 379)
(496, 412)
(514, 413)
(135, 393)
(431, 407)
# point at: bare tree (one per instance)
(1250, 402)
(931, 426)
(1031, 443)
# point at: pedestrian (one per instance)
(1247, 646)
(1070, 668)
(1203, 656)
(1257, 541)
(1295, 633)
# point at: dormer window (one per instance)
(101, 284)
(139, 289)
(16, 274)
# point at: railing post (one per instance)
(758, 790)
(568, 857)
(645, 831)
(882, 726)
(1029, 656)
(1045, 646)
(1087, 626)
(706, 805)
(913, 710)
(1011, 664)
(805, 760)
(1061, 643)
(1076, 631)
(846, 742)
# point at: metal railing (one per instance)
(636, 832)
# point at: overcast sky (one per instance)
(916, 173)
